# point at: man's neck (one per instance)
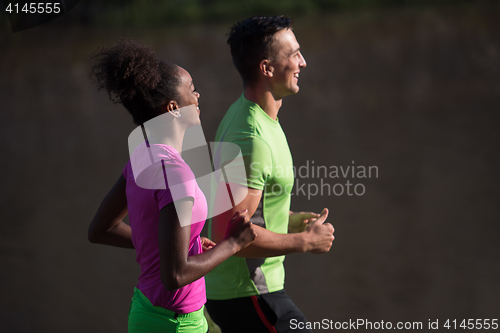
(265, 99)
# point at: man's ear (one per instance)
(266, 68)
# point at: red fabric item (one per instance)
(262, 316)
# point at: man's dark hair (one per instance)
(251, 41)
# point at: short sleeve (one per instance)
(180, 183)
(257, 160)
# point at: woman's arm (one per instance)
(107, 226)
(177, 269)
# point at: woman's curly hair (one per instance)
(133, 76)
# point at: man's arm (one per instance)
(317, 238)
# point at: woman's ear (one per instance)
(266, 68)
(168, 107)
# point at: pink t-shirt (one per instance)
(144, 207)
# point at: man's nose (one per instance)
(302, 62)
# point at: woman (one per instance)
(170, 294)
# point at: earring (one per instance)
(176, 114)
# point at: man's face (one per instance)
(286, 62)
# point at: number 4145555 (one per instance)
(472, 324)
(33, 8)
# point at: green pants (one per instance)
(143, 317)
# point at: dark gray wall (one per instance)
(414, 92)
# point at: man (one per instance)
(246, 291)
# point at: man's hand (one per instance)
(319, 235)
(297, 222)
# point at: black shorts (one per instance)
(263, 313)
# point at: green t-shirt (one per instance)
(269, 167)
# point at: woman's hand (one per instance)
(239, 229)
(206, 244)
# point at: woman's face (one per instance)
(187, 93)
